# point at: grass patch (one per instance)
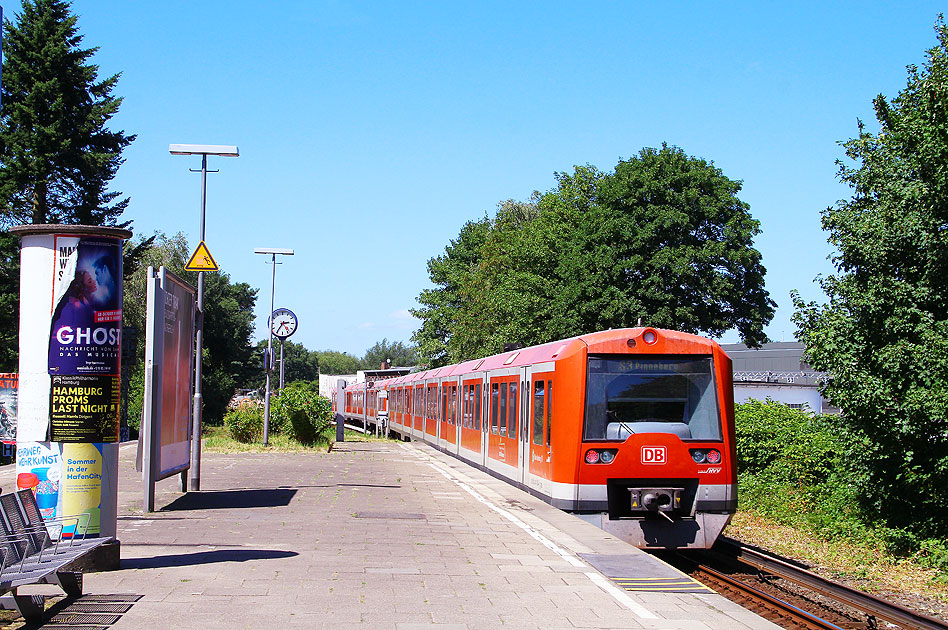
(860, 562)
(216, 439)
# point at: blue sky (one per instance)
(369, 132)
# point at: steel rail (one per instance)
(800, 615)
(864, 602)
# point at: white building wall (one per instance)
(786, 394)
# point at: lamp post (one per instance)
(203, 150)
(272, 252)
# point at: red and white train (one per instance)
(630, 429)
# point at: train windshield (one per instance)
(651, 395)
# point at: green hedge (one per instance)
(303, 414)
(807, 471)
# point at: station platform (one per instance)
(378, 535)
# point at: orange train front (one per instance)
(630, 429)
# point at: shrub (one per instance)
(800, 468)
(245, 423)
(302, 413)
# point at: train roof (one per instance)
(603, 342)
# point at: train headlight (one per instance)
(699, 456)
(592, 456)
(607, 456)
(649, 336)
(714, 457)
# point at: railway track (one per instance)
(790, 595)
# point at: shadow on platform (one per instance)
(232, 499)
(204, 557)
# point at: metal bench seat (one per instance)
(32, 555)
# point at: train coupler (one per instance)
(662, 501)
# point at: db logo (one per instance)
(653, 455)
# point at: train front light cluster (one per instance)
(706, 455)
(600, 455)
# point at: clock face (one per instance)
(283, 323)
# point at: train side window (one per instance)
(470, 407)
(454, 404)
(539, 391)
(549, 411)
(494, 397)
(503, 409)
(512, 423)
(477, 406)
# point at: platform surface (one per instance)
(378, 535)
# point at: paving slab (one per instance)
(377, 535)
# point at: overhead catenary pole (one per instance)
(194, 471)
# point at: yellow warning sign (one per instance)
(201, 259)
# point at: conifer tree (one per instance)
(56, 155)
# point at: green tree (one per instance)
(667, 240)
(883, 337)
(396, 353)
(440, 305)
(300, 364)
(663, 239)
(56, 153)
(333, 362)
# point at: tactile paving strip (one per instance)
(683, 584)
(640, 572)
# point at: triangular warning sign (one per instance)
(201, 259)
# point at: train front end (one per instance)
(656, 465)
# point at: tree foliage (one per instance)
(663, 238)
(334, 362)
(883, 336)
(57, 157)
(300, 364)
(56, 153)
(396, 353)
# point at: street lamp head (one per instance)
(272, 250)
(203, 149)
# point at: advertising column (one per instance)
(70, 355)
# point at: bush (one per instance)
(302, 413)
(800, 469)
(245, 423)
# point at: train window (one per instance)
(549, 411)
(503, 409)
(477, 406)
(494, 397)
(539, 394)
(454, 404)
(673, 394)
(512, 422)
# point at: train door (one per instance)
(483, 418)
(504, 404)
(523, 432)
(540, 418)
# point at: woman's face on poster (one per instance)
(89, 285)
